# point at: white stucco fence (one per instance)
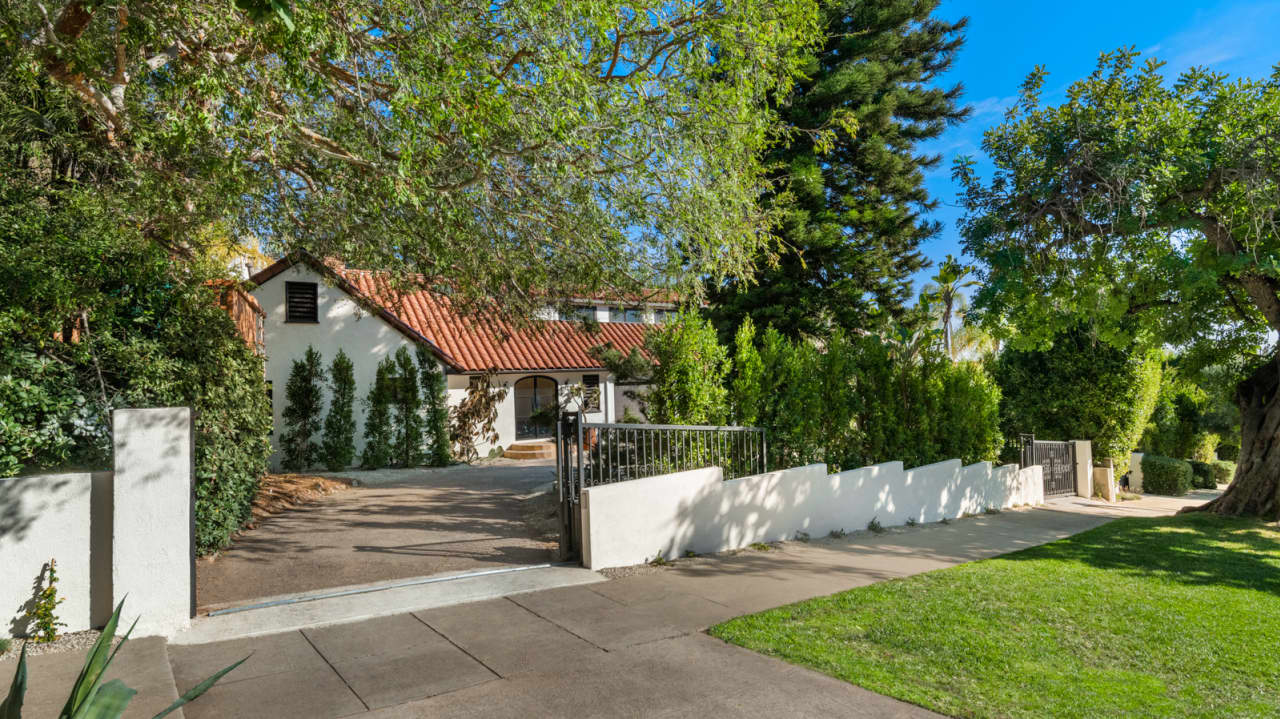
(126, 532)
(632, 522)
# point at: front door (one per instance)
(535, 407)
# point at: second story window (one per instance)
(300, 302)
(628, 314)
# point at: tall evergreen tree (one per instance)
(378, 433)
(435, 401)
(338, 446)
(852, 216)
(407, 419)
(301, 414)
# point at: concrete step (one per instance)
(271, 615)
(531, 450)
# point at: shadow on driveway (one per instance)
(398, 524)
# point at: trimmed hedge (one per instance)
(1222, 472)
(1165, 475)
(1201, 475)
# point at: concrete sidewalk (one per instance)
(632, 646)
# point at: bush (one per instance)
(688, 374)
(1229, 452)
(1201, 475)
(378, 432)
(407, 417)
(1079, 389)
(338, 446)
(1165, 475)
(304, 400)
(436, 401)
(1222, 472)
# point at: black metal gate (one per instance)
(594, 453)
(1057, 459)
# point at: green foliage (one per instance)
(689, 369)
(1201, 475)
(435, 400)
(141, 331)
(853, 209)
(747, 388)
(864, 400)
(1191, 415)
(1222, 471)
(1165, 475)
(379, 434)
(406, 411)
(1079, 388)
(471, 420)
(338, 446)
(42, 617)
(578, 108)
(89, 697)
(304, 401)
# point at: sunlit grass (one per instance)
(1166, 617)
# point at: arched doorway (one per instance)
(535, 407)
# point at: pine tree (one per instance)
(852, 218)
(378, 432)
(407, 406)
(302, 413)
(338, 446)
(436, 402)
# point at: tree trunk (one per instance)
(1255, 490)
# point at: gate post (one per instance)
(1083, 451)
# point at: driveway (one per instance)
(397, 524)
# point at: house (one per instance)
(325, 305)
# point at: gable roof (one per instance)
(470, 344)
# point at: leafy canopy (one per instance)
(1145, 205)
(507, 151)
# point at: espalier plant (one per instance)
(43, 615)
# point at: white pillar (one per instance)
(153, 526)
(1084, 468)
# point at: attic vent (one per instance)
(300, 302)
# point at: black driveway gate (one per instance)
(1058, 459)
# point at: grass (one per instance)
(1156, 617)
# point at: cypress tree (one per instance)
(408, 405)
(377, 422)
(302, 413)
(436, 402)
(338, 446)
(852, 217)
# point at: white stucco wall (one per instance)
(45, 517)
(113, 534)
(1135, 472)
(506, 423)
(343, 324)
(632, 522)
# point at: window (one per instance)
(629, 314)
(578, 313)
(300, 302)
(590, 393)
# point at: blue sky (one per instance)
(1006, 40)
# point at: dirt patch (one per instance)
(541, 512)
(281, 492)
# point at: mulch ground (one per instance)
(281, 492)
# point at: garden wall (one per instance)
(115, 533)
(633, 522)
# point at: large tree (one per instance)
(853, 203)
(505, 151)
(1148, 207)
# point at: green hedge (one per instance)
(1201, 475)
(1222, 472)
(1165, 475)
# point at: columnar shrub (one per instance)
(1165, 475)
(406, 415)
(338, 447)
(302, 413)
(746, 387)
(378, 432)
(435, 400)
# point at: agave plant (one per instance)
(90, 698)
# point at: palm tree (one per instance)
(945, 290)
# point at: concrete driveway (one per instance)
(397, 524)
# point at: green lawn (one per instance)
(1168, 617)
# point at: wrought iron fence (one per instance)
(1057, 460)
(589, 454)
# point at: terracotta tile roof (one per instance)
(475, 345)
